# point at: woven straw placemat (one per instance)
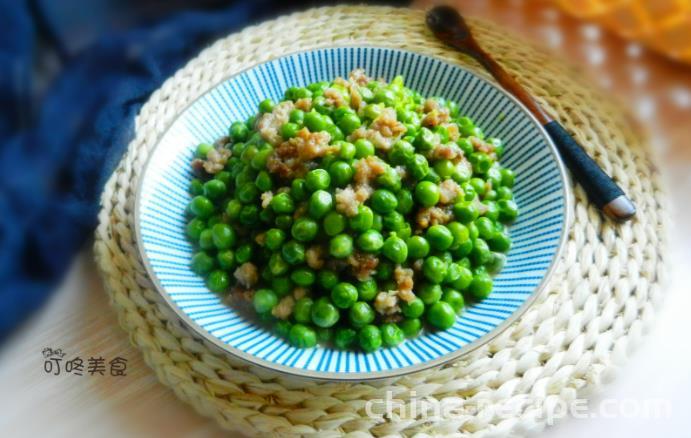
(599, 303)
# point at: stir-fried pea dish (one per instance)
(353, 213)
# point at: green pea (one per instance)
(302, 311)
(495, 263)
(413, 309)
(214, 189)
(196, 187)
(427, 193)
(314, 121)
(349, 123)
(480, 254)
(491, 210)
(367, 290)
(341, 246)
(334, 223)
(441, 315)
(304, 229)
(284, 221)
(370, 241)
(302, 336)
(434, 269)
(391, 335)
(360, 314)
(369, 338)
(334, 131)
(217, 281)
(202, 263)
(465, 212)
(264, 300)
(508, 210)
(485, 227)
(481, 286)
(344, 338)
(324, 314)
(327, 279)
(384, 270)
(411, 327)
(282, 328)
(459, 232)
(226, 259)
(429, 293)
(202, 150)
(194, 228)
(433, 177)
(479, 185)
(243, 253)
(504, 193)
(347, 150)
(261, 158)
(377, 222)
(454, 298)
(372, 111)
(324, 334)
(293, 252)
(363, 220)
(405, 201)
(426, 140)
(281, 285)
(274, 238)
(238, 131)
(401, 152)
(444, 168)
(317, 179)
(206, 239)
(465, 276)
(201, 207)
(499, 242)
(385, 96)
(266, 106)
(452, 273)
(223, 236)
(289, 130)
(249, 215)
(233, 209)
(418, 167)
(297, 116)
(394, 221)
(507, 177)
(383, 201)
(389, 179)
(439, 237)
(303, 277)
(363, 148)
(320, 204)
(418, 247)
(341, 173)
(344, 295)
(395, 249)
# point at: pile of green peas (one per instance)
(454, 261)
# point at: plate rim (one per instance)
(373, 375)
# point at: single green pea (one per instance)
(480, 254)
(499, 242)
(327, 279)
(341, 246)
(453, 272)
(304, 229)
(284, 221)
(372, 111)
(298, 189)
(485, 227)
(201, 207)
(217, 281)
(274, 238)
(293, 252)
(344, 295)
(427, 193)
(360, 314)
(391, 335)
(418, 247)
(385, 96)
(479, 185)
(223, 236)
(395, 249)
(233, 209)
(264, 300)
(377, 222)
(363, 148)
(261, 158)
(405, 201)
(314, 121)
(473, 231)
(344, 338)
(480, 161)
(249, 215)
(194, 228)
(362, 221)
(465, 212)
(266, 274)
(493, 176)
(432, 176)
(302, 336)
(334, 131)
(324, 313)
(370, 241)
(413, 309)
(426, 140)
(429, 293)
(496, 263)
(481, 286)
(247, 193)
(297, 116)
(504, 192)
(508, 210)
(281, 285)
(266, 106)
(441, 315)
(341, 173)
(384, 270)
(369, 338)
(401, 152)
(334, 223)
(289, 130)
(411, 327)
(383, 201)
(418, 167)
(238, 131)
(444, 168)
(202, 150)
(214, 189)
(302, 311)
(459, 232)
(434, 269)
(202, 263)
(196, 187)
(303, 277)
(347, 150)
(341, 112)
(367, 290)
(439, 237)
(206, 239)
(243, 253)
(465, 276)
(317, 179)
(491, 210)
(395, 221)
(507, 177)
(320, 204)
(349, 123)
(263, 182)
(454, 298)
(390, 179)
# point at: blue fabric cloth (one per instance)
(69, 95)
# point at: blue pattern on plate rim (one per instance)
(540, 191)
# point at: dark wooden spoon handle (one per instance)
(448, 25)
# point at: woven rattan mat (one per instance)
(600, 302)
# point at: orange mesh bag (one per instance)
(664, 25)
